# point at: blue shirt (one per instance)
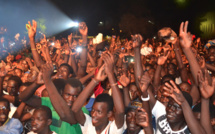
(13, 126)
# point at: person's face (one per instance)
(131, 121)
(70, 94)
(174, 112)
(63, 73)
(100, 114)
(4, 111)
(133, 92)
(18, 73)
(151, 73)
(171, 69)
(45, 93)
(5, 82)
(12, 88)
(211, 55)
(161, 97)
(185, 87)
(39, 121)
(32, 76)
(24, 65)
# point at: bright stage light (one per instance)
(78, 49)
(73, 24)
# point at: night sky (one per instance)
(163, 13)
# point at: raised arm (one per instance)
(138, 69)
(206, 92)
(83, 57)
(82, 98)
(32, 29)
(117, 96)
(57, 101)
(186, 42)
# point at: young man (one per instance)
(7, 125)
(103, 106)
(60, 101)
(41, 121)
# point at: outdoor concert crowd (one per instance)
(118, 86)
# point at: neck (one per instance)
(100, 128)
(178, 125)
(46, 131)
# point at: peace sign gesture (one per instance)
(185, 37)
(173, 91)
(32, 29)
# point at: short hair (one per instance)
(16, 79)
(106, 98)
(167, 76)
(74, 83)
(46, 110)
(6, 101)
(59, 84)
(211, 47)
(69, 67)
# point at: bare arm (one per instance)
(58, 102)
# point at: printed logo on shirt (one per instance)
(164, 128)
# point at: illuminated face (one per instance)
(211, 54)
(185, 87)
(63, 73)
(5, 82)
(131, 122)
(12, 88)
(100, 114)
(24, 65)
(18, 72)
(174, 112)
(4, 111)
(70, 94)
(133, 92)
(39, 121)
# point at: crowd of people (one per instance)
(136, 86)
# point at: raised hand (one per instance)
(40, 80)
(137, 40)
(205, 89)
(70, 37)
(162, 59)
(83, 29)
(43, 41)
(201, 61)
(101, 75)
(32, 29)
(142, 118)
(58, 44)
(144, 82)
(124, 80)
(47, 70)
(173, 91)
(185, 37)
(109, 62)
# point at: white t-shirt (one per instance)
(111, 128)
(162, 125)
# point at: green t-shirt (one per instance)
(59, 126)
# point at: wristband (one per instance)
(114, 84)
(33, 49)
(95, 81)
(145, 99)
